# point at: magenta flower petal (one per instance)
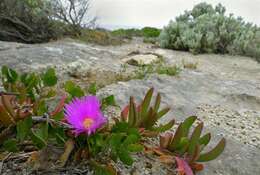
(84, 115)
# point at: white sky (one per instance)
(157, 13)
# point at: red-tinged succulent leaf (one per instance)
(159, 151)
(167, 159)
(214, 153)
(5, 118)
(197, 167)
(141, 130)
(195, 139)
(146, 103)
(60, 106)
(6, 102)
(165, 139)
(183, 167)
(124, 113)
(195, 155)
(147, 133)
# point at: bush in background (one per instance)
(206, 29)
(36, 21)
(146, 32)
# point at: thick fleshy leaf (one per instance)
(124, 113)
(23, 128)
(157, 102)
(167, 159)
(166, 127)
(183, 167)
(10, 74)
(60, 106)
(165, 139)
(204, 140)
(151, 120)
(214, 153)
(187, 125)
(177, 138)
(132, 113)
(69, 146)
(10, 145)
(195, 139)
(135, 148)
(146, 103)
(73, 89)
(163, 112)
(49, 77)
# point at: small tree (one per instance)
(73, 12)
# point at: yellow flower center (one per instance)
(87, 123)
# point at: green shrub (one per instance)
(146, 32)
(205, 29)
(150, 32)
(127, 33)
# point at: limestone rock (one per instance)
(141, 59)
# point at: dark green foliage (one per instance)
(127, 33)
(151, 32)
(205, 29)
(124, 140)
(146, 32)
(73, 89)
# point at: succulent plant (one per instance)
(146, 115)
(189, 146)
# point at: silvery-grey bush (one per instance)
(207, 29)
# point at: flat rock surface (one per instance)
(223, 91)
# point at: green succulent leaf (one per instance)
(23, 128)
(214, 153)
(157, 102)
(92, 89)
(38, 140)
(125, 157)
(163, 112)
(135, 148)
(166, 127)
(132, 116)
(40, 135)
(187, 125)
(10, 145)
(194, 140)
(177, 138)
(108, 101)
(49, 77)
(146, 103)
(204, 140)
(10, 74)
(73, 89)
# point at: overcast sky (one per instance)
(157, 13)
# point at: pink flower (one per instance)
(84, 115)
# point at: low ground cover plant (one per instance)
(207, 29)
(78, 125)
